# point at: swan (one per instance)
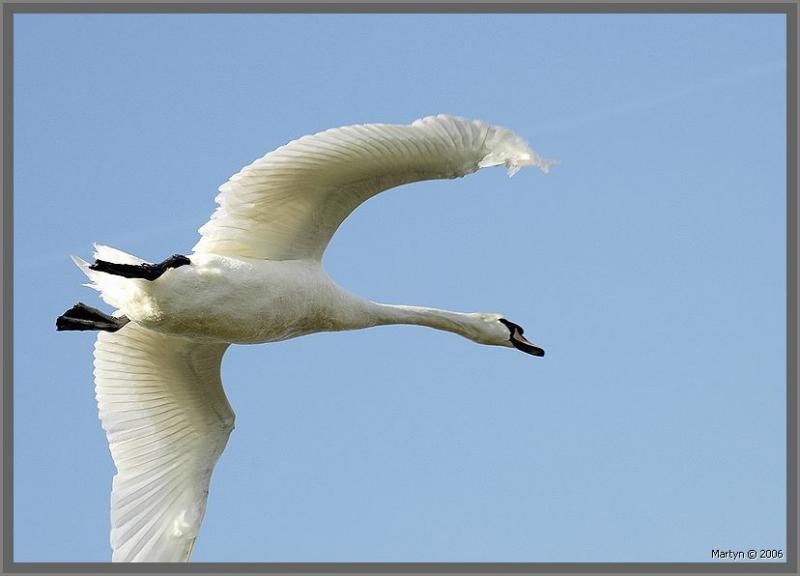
(254, 276)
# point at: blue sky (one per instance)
(649, 264)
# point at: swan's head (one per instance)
(516, 339)
(498, 331)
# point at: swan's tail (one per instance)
(113, 289)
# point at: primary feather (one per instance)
(167, 420)
(288, 204)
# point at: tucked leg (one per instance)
(145, 271)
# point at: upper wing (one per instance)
(288, 204)
(167, 420)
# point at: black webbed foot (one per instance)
(83, 317)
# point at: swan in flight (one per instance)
(255, 276)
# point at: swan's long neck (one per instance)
(383, 314)
(463, 324)
(351, 312)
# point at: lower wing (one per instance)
(167, 420)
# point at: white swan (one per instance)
(254, 276)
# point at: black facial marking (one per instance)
(518, 341)
(511, 326)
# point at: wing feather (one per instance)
(167, 420)
(288, 204)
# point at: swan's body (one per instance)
(234, 300)
(254, 277)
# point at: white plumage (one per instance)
(256, 276)
(288, 204)
(167, 421)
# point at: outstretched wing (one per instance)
(288, 204)
(167, 420)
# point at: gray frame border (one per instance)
(787, 7)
